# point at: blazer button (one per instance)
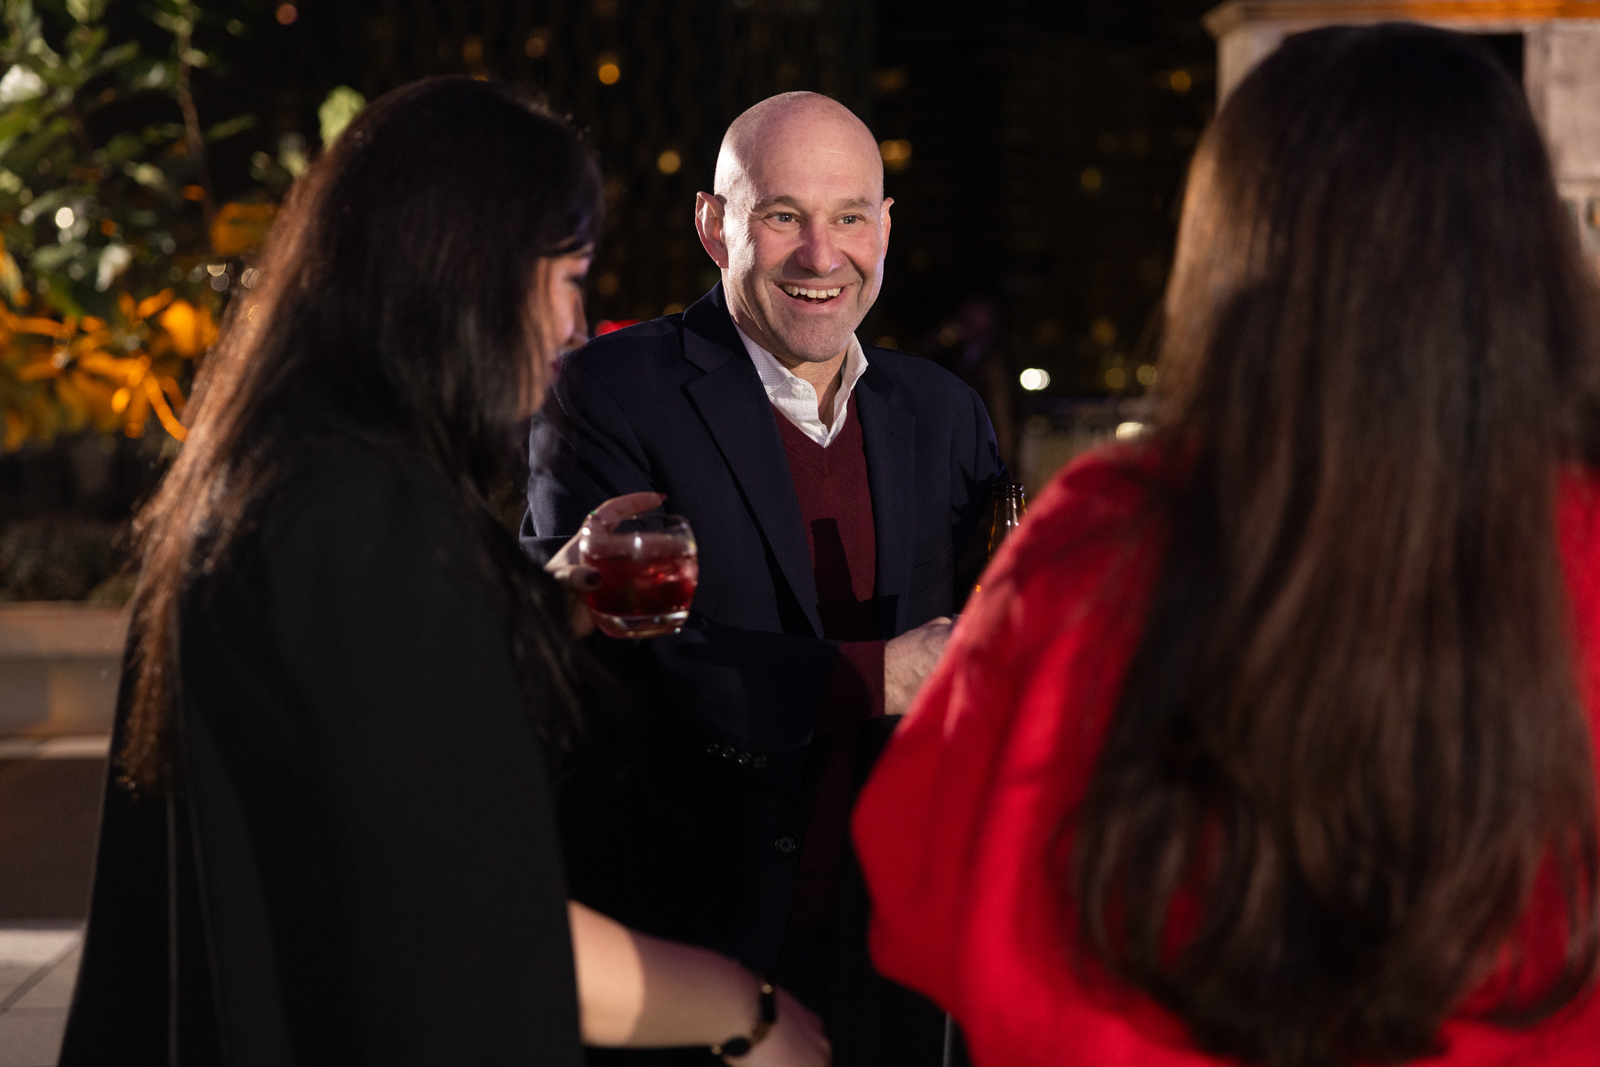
(785, 844)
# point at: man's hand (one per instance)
(909, 659)
(568, 569)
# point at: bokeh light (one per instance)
(1034, 379)
(669, 162)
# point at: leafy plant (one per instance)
(116, 258)
(62, 558)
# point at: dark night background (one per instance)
(1047, 140)
(1036, 153)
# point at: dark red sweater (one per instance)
(836, 507)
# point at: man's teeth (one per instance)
(814, 294)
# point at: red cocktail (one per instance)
(648, 570)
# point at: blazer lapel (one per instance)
(888, 434)
(736, 410)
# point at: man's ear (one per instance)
(708, 210)
(884, 220)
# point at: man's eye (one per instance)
(851, 219)
(783, 216)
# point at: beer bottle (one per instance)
(1010, 504)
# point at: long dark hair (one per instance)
(396, 287)
(1351, 740)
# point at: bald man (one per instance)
(832, 488)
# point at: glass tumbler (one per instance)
(648, 567)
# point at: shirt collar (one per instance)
(795, 397)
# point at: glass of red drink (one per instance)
(648, 569)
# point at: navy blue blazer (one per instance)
(719, 799)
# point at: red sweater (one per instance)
(836, 507)
(954, 828)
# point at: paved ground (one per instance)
(49, 811)
(37, 968)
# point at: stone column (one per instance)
(1562, 64)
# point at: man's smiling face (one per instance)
(801, 225)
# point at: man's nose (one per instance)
(816, 255)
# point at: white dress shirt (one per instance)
(795, 398)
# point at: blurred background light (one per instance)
(896, 154)
(1034, 379)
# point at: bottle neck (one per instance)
(1011, 503)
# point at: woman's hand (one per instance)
(638, 991)
(566, 567)
(796, 1040)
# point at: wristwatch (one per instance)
(741, 1045)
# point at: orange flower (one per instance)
(190, 328)
(240, 227)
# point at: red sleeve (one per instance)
(959, 829)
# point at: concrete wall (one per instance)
(59, 667)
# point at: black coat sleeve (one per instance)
(379, 873)
(120, 1003)
(426, 845)
(753, 692)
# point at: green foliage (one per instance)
(86, 217)
(341, 105)
(109, 223)
(59, 558)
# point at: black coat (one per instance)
(363, 855)
(719, 801)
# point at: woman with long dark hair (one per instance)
(329, 834)
(1270, 736)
